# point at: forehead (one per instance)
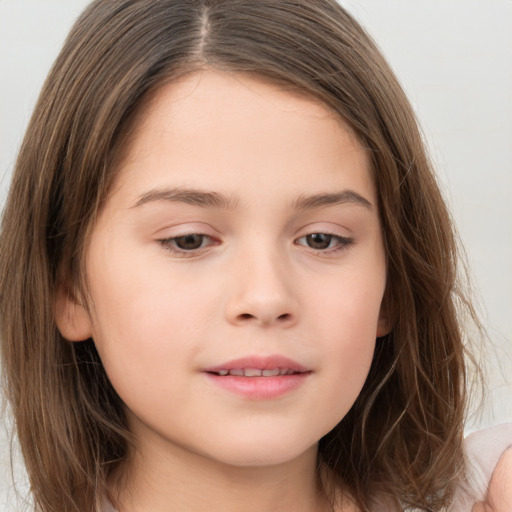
(216, 126)
(211, 87)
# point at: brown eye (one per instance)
(325, 243)
(319, 241)
(189, 242)
(189, 245)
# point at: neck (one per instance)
(180, 481)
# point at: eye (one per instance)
(324, 242)
(189, 243)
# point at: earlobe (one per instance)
(72, 318)
(383, 327)
(386, 318)
(384, 324)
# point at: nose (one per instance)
(262, 292)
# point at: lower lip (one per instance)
(260, 388)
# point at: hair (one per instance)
(402, 439)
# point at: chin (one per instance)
(265, 452)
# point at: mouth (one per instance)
(259, 366)
(259, 377)
(256, 372)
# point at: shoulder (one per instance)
(484, 449)
(107, 506)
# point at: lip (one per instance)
(261, 362)
(259, 387)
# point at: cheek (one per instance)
(145, 323)
(346, 325)
(349, 355)
(349, 304)
(138, 296)
(347, 358)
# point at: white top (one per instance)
(483, 451)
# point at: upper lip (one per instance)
(260, 362)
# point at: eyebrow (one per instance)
(205, 199)
(188, 196)
(304, 202)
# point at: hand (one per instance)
(499, 494)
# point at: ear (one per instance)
(72, 318)
(384, 324)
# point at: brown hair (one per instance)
(402, 438)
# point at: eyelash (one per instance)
(342, 243)
(170, 244)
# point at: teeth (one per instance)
(256, 372)
(252, 372)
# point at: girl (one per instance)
(228, 277)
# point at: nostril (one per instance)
(248, 316)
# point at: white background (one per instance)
(454, 58)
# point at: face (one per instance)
(236, 272)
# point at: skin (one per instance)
(499, 495)
(257, 285)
